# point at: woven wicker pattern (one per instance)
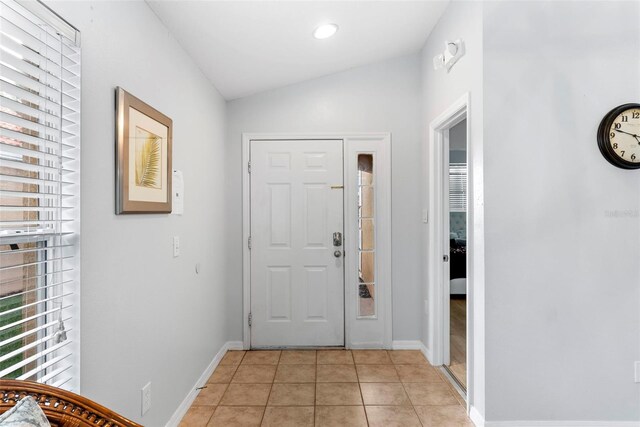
(62, 408)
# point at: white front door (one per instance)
(297, 274)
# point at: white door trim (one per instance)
(383, 258)
(374, 332)
(438, 176)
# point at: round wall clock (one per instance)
(619, 136)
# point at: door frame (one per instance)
(378, 142)
(437, 242)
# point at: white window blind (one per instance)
(39, 195)
(458, 187)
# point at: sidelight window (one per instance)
(366, 238)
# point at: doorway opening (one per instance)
(451, 237)
(456, 215)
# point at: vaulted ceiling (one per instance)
(245, 47)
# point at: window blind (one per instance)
(458, 187)
(39, 195)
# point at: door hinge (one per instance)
(249, 242)
(250, 319)
(249, 167)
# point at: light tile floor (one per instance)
(340, 388)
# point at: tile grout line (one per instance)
(234, 368)
(227, 384)
(364, 408)
(405, 392)
(266, 405)
(450, 387)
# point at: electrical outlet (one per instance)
(176, 246)
(637, 376)
(146, 398)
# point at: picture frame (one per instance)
(143, 157)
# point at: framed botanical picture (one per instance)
(143, 157)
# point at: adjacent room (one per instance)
(319, 213)
(457, 214)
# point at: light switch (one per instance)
(146, 398)
(176, 246)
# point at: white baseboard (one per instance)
(406, 345)
(367, 345)
(478, 421)
(177, 416)
(476, 417)
(428, 354)
(561, 424)
(414, 345)
(235, 345)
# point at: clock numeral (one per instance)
(618, 136)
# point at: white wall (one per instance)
(439, 91)
(563, 278)
(382, 97)
(147, 316)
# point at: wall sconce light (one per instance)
(452, 52)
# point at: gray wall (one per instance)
(457, 156)
(439, 91)
(458, 141)
(563, 297)
(147, 316)
(383, 97)
(562, 272)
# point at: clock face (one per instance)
(619, 136)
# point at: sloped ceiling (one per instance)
(245, 47)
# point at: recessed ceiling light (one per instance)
(325, 31)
